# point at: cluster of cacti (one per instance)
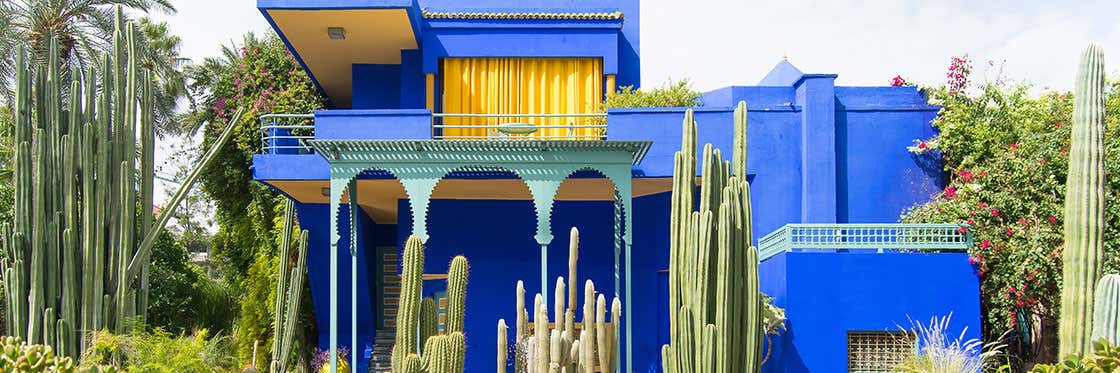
(83, 196)
(714, 300)
(1106, 309)
(1084, 206)
(17, 356)
(419, 347)
(289, 293)
(567, 345)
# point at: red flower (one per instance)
(1052, 219)
(1023, 221)
(981, 205)
(1059, 123)
(986, 244)
(898, 81)
(994, 212)
(950, 192)
(1014, 146)
(983, 173)
(966, 176)
(971, 222)
(922, 145)
(1010, 232)
(962, 230)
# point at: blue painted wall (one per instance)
(826, 295)
(376, 86)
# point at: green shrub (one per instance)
(1105, 358)
(160, 351)
(182, 296)
(672, 94)
(1004, 152)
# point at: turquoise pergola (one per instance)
(420, 164)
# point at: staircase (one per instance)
(379, 360)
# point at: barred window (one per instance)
(879, 351)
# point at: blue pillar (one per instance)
(816, 96)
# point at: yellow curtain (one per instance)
(522, 86)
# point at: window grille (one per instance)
(878, 351)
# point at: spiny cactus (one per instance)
(442, 353)
(503, 348)
(1084, 206)
(714, 299)
(1106, 309)
(429, 320)
(79, 242)
(289, 293)
(568, 345)
(456, 293)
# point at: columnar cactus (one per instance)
(565, 344)
(503, 348)
(714, 299)
(289, 293)
(456, 293)
(1084, 206)
(442, 353)
(1106, 309)
(77, 248)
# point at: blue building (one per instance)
(423, 82)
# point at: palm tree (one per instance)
(162, 59)
(83, 28)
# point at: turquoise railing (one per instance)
(878, 237)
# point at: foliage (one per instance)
(159, 351)
(261, 76)
(182, 296)
(322, 359)
(1105, 358)
(672, 94)
(939, 352)
(18, 356)
(7, 194)
(1004, 151)
(85, 30)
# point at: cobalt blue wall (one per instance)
(826, 295)
(315, 219)
(373, 124)
(376, 86)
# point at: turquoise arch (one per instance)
(420, 164)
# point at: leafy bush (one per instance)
(182, 297)
(1105, 358)
(672, 94)
(159, 351)
(17, 356)
(261, 76)
(1004, 152)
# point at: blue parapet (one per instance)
(404, 124)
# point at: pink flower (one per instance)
(1052, 219)
(970, 221)
(1014, 146)
(986, 244)
(1010, 232)
(1023, 221)
(962, 230)
(1059, 124)
(950, 192)
(898, 81)
(994, 212)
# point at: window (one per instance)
(878, 351)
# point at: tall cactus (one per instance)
(560, 347)
(441, 353)
(75, 258)
(714, 299)
(289, 293)
(456, 293)
(1106, 309)
(1084, 206)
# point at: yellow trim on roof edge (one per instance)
(524, 16)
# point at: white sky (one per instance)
(716, 43)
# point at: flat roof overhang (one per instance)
(376, 31)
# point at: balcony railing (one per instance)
(865, 237)
(288, 133)
(521, 126)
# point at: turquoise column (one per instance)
(543, 186)
(339, 181)
(354, 219)
(620, 176)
